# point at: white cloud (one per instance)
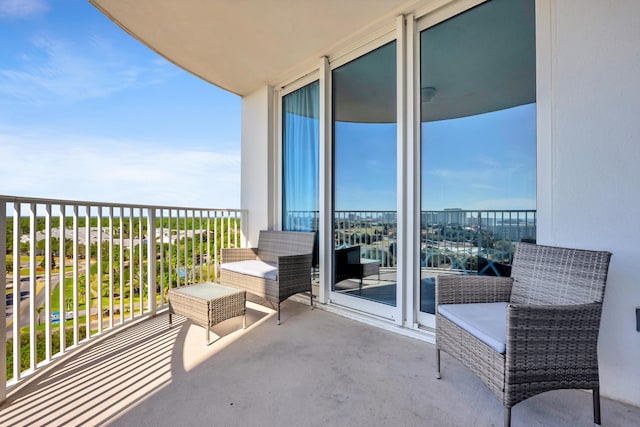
(442, 173)
(479, 186)
(61, 71)
(479, 176)
(22, 8)
(488, 162)
(103, 170)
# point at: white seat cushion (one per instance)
(254, 268)
(485, 321)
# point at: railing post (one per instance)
(170, 258)
(17, 300)
(141, 260)
(185, 248)
(201, 257)
(243, 218)
(479, 232)
(209, 247)
(193, 246)
(87, 281)
(62, 261)
(177, 248)
(48, 256)
(33, 347)
(121, 267)
(3, 301)
(76, 276)
(131, 265)
(111, 268)
(99, 272)
(151, 260)
(216, 256)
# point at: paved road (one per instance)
(23, 301)
(40, 300)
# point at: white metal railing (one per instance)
(450, 239)
(374, 231)
(88, 267)
(459, 239)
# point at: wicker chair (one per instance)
(286, 255)
(550, 311)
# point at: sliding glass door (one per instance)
(478, 141)
(364, 182)
(477, 158)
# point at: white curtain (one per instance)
(300, 169)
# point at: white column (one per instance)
(412, 169)
(404, 284)
(257, 163)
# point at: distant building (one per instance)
(453, 216)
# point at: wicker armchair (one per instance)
(544, 332)
(278, 268)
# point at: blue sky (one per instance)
(365, 166)
(89, 113)
(486, 161)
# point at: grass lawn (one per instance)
(68, 295)
(25, 346)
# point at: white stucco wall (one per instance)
(589, 160)
(257, 138)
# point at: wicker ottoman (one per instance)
(207, 304)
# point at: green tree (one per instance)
(55, 245)
(39, 311)
(82, 285)
(41, 244)
(68, 248)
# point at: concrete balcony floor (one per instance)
(316, 368)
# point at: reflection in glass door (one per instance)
(478, 141)
(364, 180)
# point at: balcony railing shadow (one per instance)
(73, 270)
(316, 368)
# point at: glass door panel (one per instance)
(364, 181)
(478, 141)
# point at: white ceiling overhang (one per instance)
(241, 45)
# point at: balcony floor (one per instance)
(316, 368)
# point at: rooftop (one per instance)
(316, 368)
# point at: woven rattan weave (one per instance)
(290, 251)
(207, 304)
(553, 318)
